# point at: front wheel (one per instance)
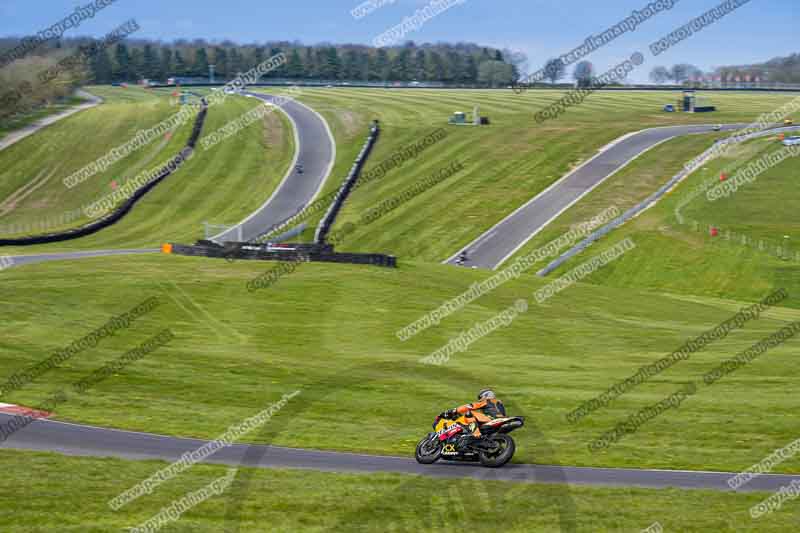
(428, 451)
(501, 454)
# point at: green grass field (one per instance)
(21, 120)
(329, 330)
(683, 258)
(506, 163)
(235, 352)
(221, 333)
(223, 184)
(288, 501)
(31, 184)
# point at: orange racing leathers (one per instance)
(480, 412)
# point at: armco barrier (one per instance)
(293, 253)
(330, 216)
(126, 206)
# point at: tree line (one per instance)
(677, 73)
(781, 69)
(136, 59)
(457, 64)
(784, 70)
(583, 73)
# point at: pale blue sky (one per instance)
(755, 32)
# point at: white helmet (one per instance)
(486, 394)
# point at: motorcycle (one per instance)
(450, 441)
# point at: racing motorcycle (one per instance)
(452, 442)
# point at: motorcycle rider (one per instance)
(471, 415)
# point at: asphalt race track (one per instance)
(501, 241)
(72, 439)
(41, 258)
(316, 152)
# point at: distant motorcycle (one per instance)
(451, 442)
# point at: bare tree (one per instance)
(554, 70)
(518, 60)
(660, 75)
(583, 73)
(683, 71)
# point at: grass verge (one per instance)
(328, 330)
(288, 501)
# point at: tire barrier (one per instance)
(344, 191)
(289, 253)
(127, 205)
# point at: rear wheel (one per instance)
(501, 454)
(428, 451)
